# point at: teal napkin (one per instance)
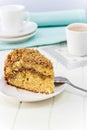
(58, 18)
(51, 28)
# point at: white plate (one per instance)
(28, 28)
(26, 96)
(17, 39)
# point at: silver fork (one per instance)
(63, 80)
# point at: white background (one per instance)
(48, 5)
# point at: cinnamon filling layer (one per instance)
(31, 70)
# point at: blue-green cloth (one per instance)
(51, 28)
(58, 18)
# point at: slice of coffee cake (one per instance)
(29, 69)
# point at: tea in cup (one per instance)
(12, 18)
(76, 35)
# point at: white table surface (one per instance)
(67, 111)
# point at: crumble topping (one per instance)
(28, 55)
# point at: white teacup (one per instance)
(76, 34)
(12, 18)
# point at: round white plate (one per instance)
(17, 39)
(28, 28)
(27, 96)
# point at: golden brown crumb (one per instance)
(28, 55)
(29, 69)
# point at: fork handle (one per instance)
(84, 90)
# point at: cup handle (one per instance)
(26, 16)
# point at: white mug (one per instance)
(76, 35)
(12, 18)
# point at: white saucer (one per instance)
(17, 39)
(28, 29)
(27, 96)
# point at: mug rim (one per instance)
(9, 7)
(75, 24)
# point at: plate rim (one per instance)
(43, 96)
(18, 39)
(20, 34)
